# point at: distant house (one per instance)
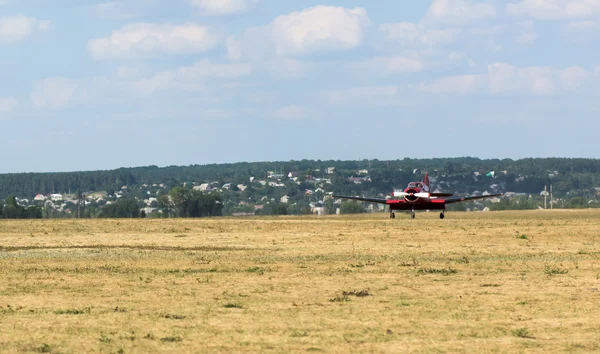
(284, 199)
(241, 187)
(359, 180)
(204, 187)
(56, 197)
(318, 210)
(242, 214)
(293, 175)
(149, 202)
(40, 198)
(226, 186)
(149, 210)
(330, 170)
(363, 172)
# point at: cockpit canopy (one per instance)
(415, 185)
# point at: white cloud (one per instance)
(293, 112)
(287, 68)
(234, 48)
(128, 72)
(582, 31)
(521, 32)
(4, 2)
(554, 9)
(17, 28)
(458, 12)
(460, 84)
(222, 7)
(390, 65)
(583, 25)
(370, 95)
(408, 33)
(573, 77)
(147, 39)
(191, 77)
(205, 68)
(45, 26)
(7, 104)
(317, 29)
(113, 10)
(121, 10)
(503, 78)
(527, 33)
(147, 86)
(542, 81)
(53, 92)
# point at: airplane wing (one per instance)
(466, 199)
(369, 200)
(441, 194)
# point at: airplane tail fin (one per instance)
(426, 181)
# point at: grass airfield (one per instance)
(474, 282)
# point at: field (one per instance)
(474, 282)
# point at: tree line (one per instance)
(12, 210)
(385, 174)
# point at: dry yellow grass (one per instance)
(474, 282)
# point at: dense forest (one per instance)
(574, 180)
(573, 174)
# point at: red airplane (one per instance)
(417, 196)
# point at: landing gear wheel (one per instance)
(392, 215)
(442, 215)
(412, 215)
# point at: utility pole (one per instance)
(545, 192)
(80, 199)
(551, 198)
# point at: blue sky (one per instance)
(146, 82)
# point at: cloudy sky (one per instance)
(156, 82)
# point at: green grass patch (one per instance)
(443, 271)
(83, 311)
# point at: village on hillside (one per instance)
(293, 192)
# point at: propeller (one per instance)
(418, 195)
